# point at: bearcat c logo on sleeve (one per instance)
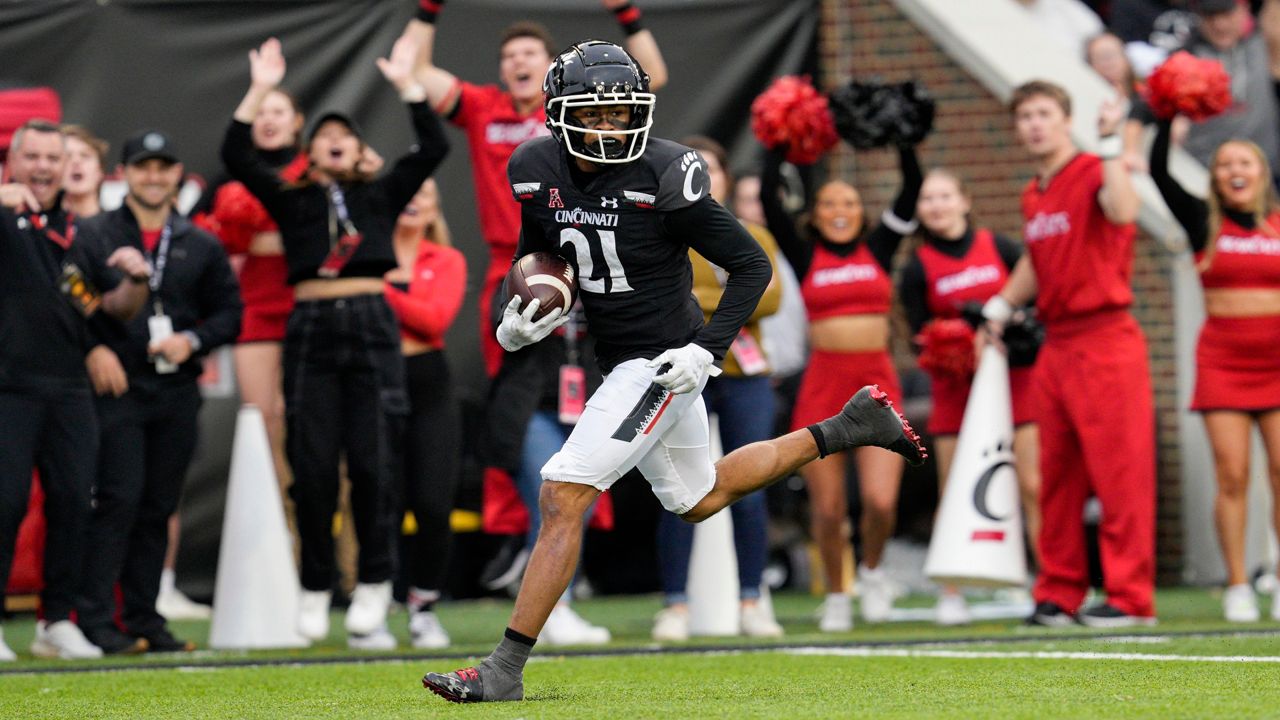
(690, 164)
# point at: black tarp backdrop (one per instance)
(180, 65)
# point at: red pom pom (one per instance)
(793, 113)
(1187, 85)
(947, 348)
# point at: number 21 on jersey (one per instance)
(587, 280)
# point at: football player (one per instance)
(624, 210)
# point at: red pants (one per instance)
(490, 351)
(1097, 437)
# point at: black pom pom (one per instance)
(873, 114)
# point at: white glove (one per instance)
(688, 366)
(519, 329)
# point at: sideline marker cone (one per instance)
(977, 536)
(713, 567)
(255, 600)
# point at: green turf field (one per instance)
(1191, 665)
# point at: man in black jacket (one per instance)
(50, 281)
(149, 432)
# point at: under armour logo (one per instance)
(555, 201)
(609, 203)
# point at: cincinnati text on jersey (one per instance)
(578, 216)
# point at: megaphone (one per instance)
(977, 534)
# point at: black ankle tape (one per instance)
(517, 637)
(821, 441)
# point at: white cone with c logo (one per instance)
(977, 535)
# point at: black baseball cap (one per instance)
(1213, 7)
(146, 145)
(335, 116)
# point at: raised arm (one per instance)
(438, 83)
(1118, 198)
(1190, 211)
(898, 221)
(266, 71)
(782, 226)
(640, 42)
(409, 172)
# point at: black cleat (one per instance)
(460, 686)
(869, 418)
(1110, 616)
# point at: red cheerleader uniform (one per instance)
(1236, 367)
(951, 282)
(834, 286)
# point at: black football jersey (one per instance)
(627, 233)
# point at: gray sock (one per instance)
(503, 671)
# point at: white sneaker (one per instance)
(758, 621)
(1239, 604)
(368, 609)
(875, 594)
(671, 624)
(64, 640)
(6, 655)
(173, 604)
(836, 613)
(566, 627)
(427, 632)
(952, 610)
(313, 614)
(379, 639)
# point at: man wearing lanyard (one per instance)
(149, 431)
(50, 281)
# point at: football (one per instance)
(546, 277)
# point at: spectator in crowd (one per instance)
(1151, 29)
(497, 120)
(50, 281)
(783, 332)
(343, 371)
(843, 265)
(1069, 22)
(1078, 216)
(86, 169)
(245, 229)
(742, 399)
(1235, 236)
(425, 291)
(956, 264)
(1105, 54)
(149, 433)
(1223, 33)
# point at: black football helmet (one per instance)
(595, 73)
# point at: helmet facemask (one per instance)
(614, 145)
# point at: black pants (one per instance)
(148, 438)
(433, 450)
(56, 431)
(344, 393)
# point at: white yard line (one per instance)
(1026, 654)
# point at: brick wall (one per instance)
(973, 137)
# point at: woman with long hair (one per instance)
(956, 264)
(843, 264)
(248, 232)
(425, 291)
(343, 371)
(1235, 235)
